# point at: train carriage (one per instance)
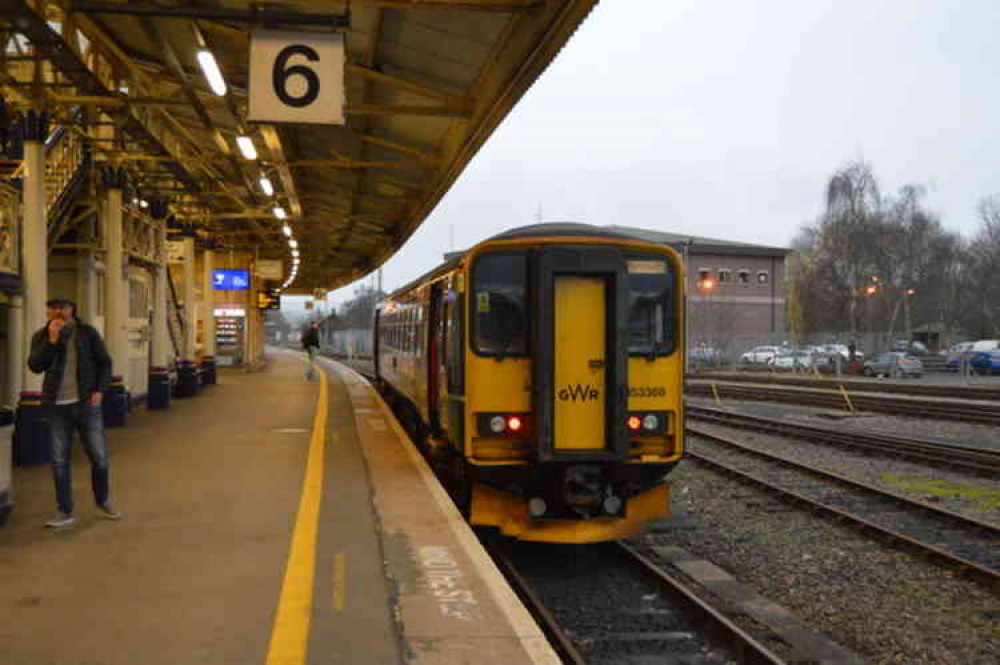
(542, 372)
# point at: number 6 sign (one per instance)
(296, 77)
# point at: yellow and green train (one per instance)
(542, 373)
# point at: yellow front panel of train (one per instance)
(580, 372)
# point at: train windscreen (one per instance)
(499, 301)
(651, 307)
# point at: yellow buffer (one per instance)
(580, 363)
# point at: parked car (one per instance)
(844, 352)
(792, 359)
(759, 355)
(954, 361)
(706, 355)
(985, 362)
(894, 363)
(912, 347)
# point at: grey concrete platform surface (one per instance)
(203, 568)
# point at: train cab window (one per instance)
(499, 301)
(651, 307)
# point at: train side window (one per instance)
(652, 308)
(499, 300)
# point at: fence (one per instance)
(350, 344)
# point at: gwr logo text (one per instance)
(578, 392)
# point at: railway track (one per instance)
(610, 604)
(954, 540)
(965, 458)
(923, 407)
(854, 384)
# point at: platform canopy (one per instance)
(426, 82)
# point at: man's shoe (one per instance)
(59, 521)
(109, 513)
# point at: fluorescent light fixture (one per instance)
(266, 186)
(279, 212)
(246, 147)
(287, 230)
(293, 243)
(212, 72)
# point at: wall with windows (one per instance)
(734, 295)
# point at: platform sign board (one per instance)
(268, 299)
(269, 269)
(230, 280)
(296, 77)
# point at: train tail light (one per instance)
(503, 424)
(647, 422)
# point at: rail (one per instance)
(954, 540)
(980, 461)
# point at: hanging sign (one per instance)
(296, 77)
(269, 269)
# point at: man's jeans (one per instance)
(89, 421)
(310, 371)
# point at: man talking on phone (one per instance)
(77, 371)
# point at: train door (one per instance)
(581, 313)
(434, 359)
(580, 362)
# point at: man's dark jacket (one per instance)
(310, 338)
(93, 364)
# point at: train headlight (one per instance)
(651, 421)
(514, 424)
(634, 423)
(498, 424)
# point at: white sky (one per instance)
(725, 119)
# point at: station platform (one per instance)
(268, 520)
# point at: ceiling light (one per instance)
(246, 147)
(143, 203)
(212, 72)
(293, 243)
(279, 212)
(295, 252)
(287, 230)
(266, 186)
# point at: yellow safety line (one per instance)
(290, 634)
(339, 581)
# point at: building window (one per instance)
(743, 276)
(762, 278)
(724, 275)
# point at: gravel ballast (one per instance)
(884, 604)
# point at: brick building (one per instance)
(736, 290)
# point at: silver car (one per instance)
(895, 363)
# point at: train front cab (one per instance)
(574, 386)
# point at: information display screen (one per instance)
(230, 280)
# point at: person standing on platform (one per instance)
(310, 342)
(77, 371)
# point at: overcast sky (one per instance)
(725, 119)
